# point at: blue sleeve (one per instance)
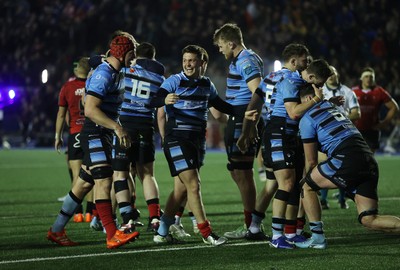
(171, 84)
(249, 68)
(290, 91)
(98, 83)
(213, 91)
(308, 132)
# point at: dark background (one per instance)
(44, 34)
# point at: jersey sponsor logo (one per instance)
(248, 69)
(77, 143)
(79, 91)
(80, 122)
(192, 104)
(137, 103)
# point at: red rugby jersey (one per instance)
(70, 97)
(370, 103)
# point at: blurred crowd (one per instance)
(50, 34)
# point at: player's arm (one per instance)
(309, 137)
(83, 100)
(296, 110)
(67, 116)
(60, 121)
(94, 113)
(163, 97)
(219, 116)
(253, 84)
(161, 120)
(311, 155)
(222, 105)
(354, 114)
(353, 107)
(250, 120)
(253, 111)
(393, 109)
(256, 101)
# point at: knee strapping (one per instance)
(307, 179)
(270, 175)
(101, 172)
(242, 165)
(121, 185)
(86, 177)
(282, 195)
(371, 212)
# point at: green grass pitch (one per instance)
(32, 180)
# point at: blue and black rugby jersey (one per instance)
(244, 68)
(140, 83)
(268, 84)
(287, 90)
(103, 84)
(190, 112)
(325, 124)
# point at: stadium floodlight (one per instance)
(277, 65)
(8, 95)
(11, 94)
(45, 76)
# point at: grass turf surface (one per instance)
(32, 180)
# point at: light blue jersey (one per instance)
(268, 86)
(287, 90)
(244, 68)
(140, 83)
(103, 84)
(190, 112)
(325, 124)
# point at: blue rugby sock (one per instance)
(317, 231)
(165, 223)
(70, 203)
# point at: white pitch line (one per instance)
(124, 252)
(138, 251)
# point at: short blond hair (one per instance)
(228, 32)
